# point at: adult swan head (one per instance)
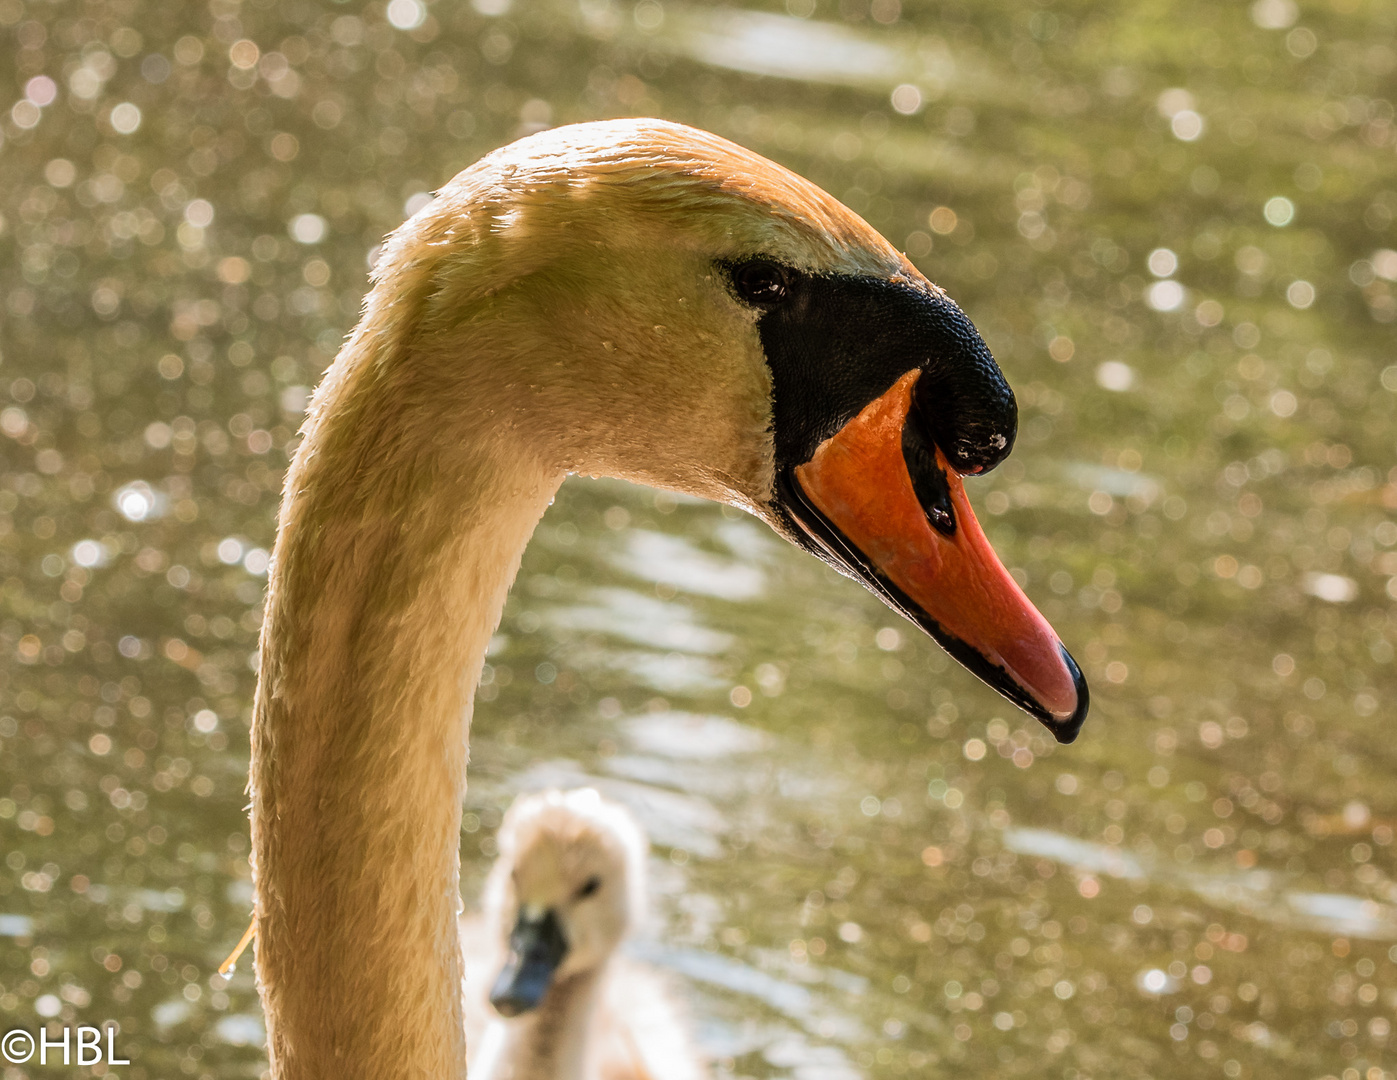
(632, 299)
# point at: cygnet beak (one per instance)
(536, 948)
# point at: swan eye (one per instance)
(591, 885)
(760, 282)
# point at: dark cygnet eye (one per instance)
(760, 282)
(591, 885)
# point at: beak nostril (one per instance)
(929, 483)
(942, 519)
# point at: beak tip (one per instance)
(516, 996)
(1066, 729)
(507, 1007)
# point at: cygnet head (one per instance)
(568, 887)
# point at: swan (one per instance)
(628, 298)
(546, 997)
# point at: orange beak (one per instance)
(856, 500)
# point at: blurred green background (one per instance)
(1173, 222)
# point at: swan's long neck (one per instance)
(515, 332)
(405, 516)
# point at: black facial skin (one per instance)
(836, 343)
(536, 948)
